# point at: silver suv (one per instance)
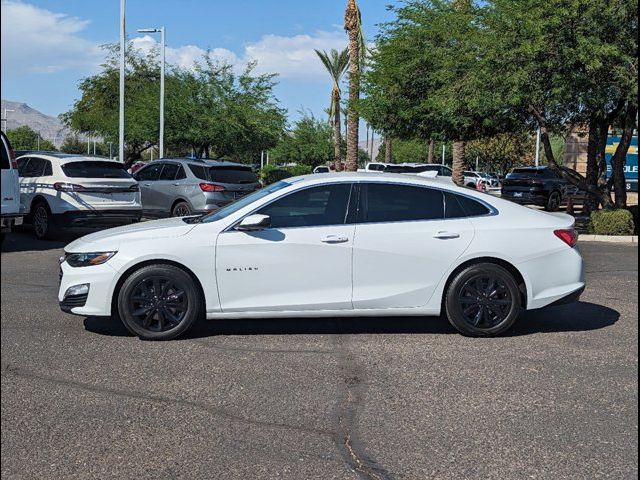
(183, 187)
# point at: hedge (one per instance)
(612, 222)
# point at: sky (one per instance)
(48, 46)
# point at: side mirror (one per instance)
(253, 223)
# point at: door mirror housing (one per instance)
(253, 223)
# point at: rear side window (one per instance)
(169, 171)
(199, 172)
(459, 206)
(95, 169)
(34, 168)
(400, 203)
(237, 175)
(311, 207)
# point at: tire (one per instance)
(159, 302)
(486, 288)
(43, 225)
(553, 202)
(181, 209)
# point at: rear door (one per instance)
(403, 245)
(10, 183)
(167, 189)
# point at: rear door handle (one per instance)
(446, 235)
(334, 239)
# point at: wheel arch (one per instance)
(38, 199)
(146, 263)
(522, 284)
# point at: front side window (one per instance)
(150, 173)
(95, 169)
(311, 207)
(382, 202)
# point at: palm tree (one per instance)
(336, 64)
(357, 50)
(458, 152)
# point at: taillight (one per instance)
(67, 187)
(12, 157)
(211, 187)
(568, 236)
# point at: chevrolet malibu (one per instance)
(330, 245)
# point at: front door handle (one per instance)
(446, 235)
(334, 239)
(146, 184)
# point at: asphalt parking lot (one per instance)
(320, 399)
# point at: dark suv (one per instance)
(542, 186)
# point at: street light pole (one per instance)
(122, 72)
(161, 31)
(6, 110)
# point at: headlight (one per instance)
(88, 259)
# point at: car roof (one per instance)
(66, 157)
(202, 161)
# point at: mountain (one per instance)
(50, 128)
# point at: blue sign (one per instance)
(631, 167)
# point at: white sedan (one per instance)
(330, 245)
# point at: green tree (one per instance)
(310, 142)
(25, 138)
(73, 144)
(336, 64)
(501, 153)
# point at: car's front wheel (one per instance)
(483, 301)
(159, 302)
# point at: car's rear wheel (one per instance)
(159, 302)
(483, 301)
(43, 225)
(181, 209)
(553, 202)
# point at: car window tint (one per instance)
(34, 168)
(199, 172)
(181, 175)
(471, 207)
(400, 203)
(446, 172)
(48, 170)
(169, 171)
(150, 173)
(453, 208)
(235, 175)
(95, 169)
(22, 166)
(311, 207)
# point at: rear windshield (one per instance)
(530, 172)
(229, 174)
(95, 169)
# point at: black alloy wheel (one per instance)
(483, 300)
(554, 201)
(181, 209)
(159, 302)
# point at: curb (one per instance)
(632, 239)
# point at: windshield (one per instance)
(240, 204)
(95, 169)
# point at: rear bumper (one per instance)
(526, 199)
(97, 218)
(570, 298)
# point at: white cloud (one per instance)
(35, 40)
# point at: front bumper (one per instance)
(97, 218)
(97, 302)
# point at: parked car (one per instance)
(542, 186)
(74, 191)
(341, 245)
(322, 169)
(375, 167)
(10, 207)
(184, 187)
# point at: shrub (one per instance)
(271, 174)
(612, 222)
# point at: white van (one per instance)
(11, 215)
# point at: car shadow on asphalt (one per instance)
(25, 241)
(577, 317)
